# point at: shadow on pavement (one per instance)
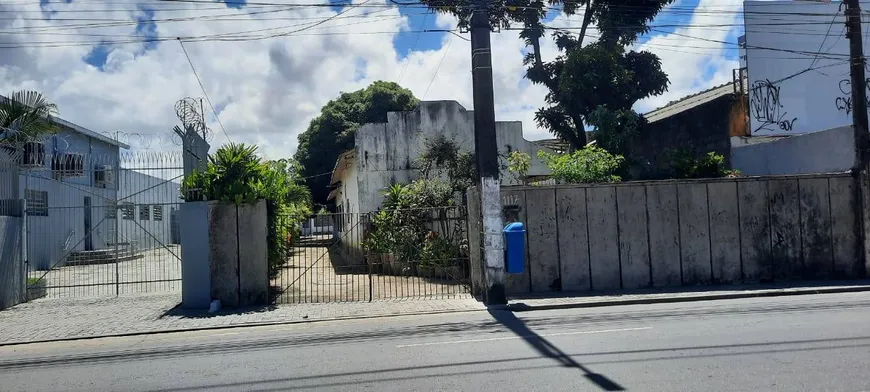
(543, 346)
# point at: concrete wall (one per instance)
(789, 94)
(829, 151)
(672, 233)
(11, 266)
(386, 153)
(147, 192)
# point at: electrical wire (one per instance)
(444, 55)
(201, 86)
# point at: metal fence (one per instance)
(99, 224)
(366, 257)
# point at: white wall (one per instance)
(829, 151)
(793, 90)
(386, 153)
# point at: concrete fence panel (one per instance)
(844, 228)
(634, 252)
(11, 267)
(694, 233)
(543, 239)
(754, 215)
(725, 236)
(785, 236)
(816, 228)
(664, 235)
(573, 244)
(603, 238)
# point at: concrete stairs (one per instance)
(102, 256)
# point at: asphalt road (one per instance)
(803, 343)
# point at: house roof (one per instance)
(339, 169)
(84, 131)
(689, 102)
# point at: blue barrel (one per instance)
(515, 248)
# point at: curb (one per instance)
(233, 326)
(521, 307)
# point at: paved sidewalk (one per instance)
(684, 294)
(62, 319)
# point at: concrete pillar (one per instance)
(493, 241)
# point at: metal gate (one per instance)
(356, 257)
(101, 225)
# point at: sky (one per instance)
(267, 70)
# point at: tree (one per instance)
(581, 79)
(332, 133)
(25, 116)
(588, 165)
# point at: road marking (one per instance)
(522, 337)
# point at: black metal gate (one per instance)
(365, 257)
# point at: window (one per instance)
(158, 213)
(127, 211)
(37, 202)
(111, 210)
(68, 165)
(144, 212)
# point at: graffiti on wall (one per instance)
(766, 107)
(844, 102)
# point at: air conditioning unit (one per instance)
(104, 175)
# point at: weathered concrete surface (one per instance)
(603, 237)
(12, 280)
(724, 232)
(694, 233)
(195, 255)
(224, 248)
(754, 228)
(573, 238)
(785, 261)
(516, 199)
(543, 239)
(845, 237)
(816, 228)
(664, 235)
(253, 254)
(475, 246)
(634, 257)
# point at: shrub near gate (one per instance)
(236, 174)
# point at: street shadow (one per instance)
(179, 312)
(547, 349)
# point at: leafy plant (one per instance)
(685, 164)
(442, 157)
(519, 164)
(589, 165)
(236, 174)
(25, 116)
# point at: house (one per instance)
(75, 190)
(799, 90)
(698, 123)
(385, 154)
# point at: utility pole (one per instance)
(859, 123)
(486, 150)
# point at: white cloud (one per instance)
(267, 90)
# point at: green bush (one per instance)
(236, 174)
(685, 164)
(588, 165)
(519, 164)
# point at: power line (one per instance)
(413, 48)
(201, 86)
(444, 55)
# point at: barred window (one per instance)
(111, 210)
(127, 210)
(144, 212)
(37, 202)
(158, 213)
(68, 165)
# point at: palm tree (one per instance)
(25, 116)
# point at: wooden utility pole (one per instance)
(859, 126)
(486, 150)
(859, 82)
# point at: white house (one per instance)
(385, 154)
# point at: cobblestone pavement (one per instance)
(56, 319)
